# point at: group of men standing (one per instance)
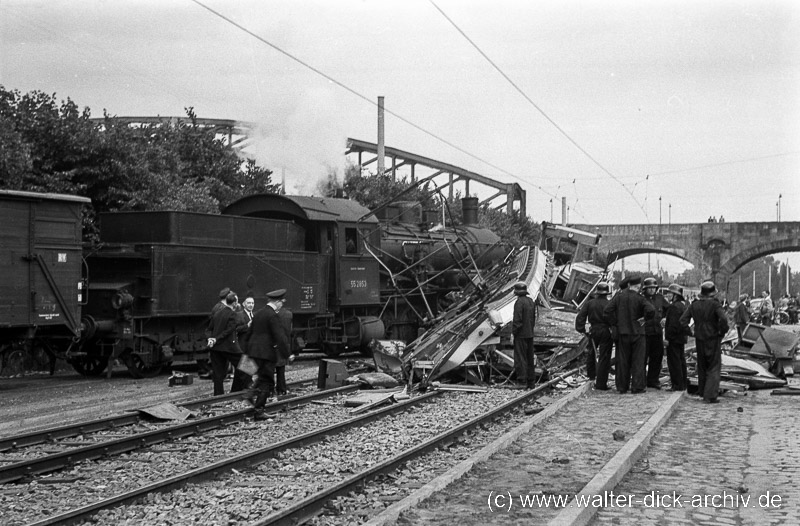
(637, 320)
(262, 336)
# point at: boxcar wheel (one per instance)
(138, 368)
(12, 362)
(90, 365)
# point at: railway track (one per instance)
(348, 452)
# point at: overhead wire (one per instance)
(362, 96)
(540, 110)
(102, 55)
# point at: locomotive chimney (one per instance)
(563, 211)
(469, 210)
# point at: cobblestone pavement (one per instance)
(730, 467)
(558, 457)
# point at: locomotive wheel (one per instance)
(90, 365)
(782, 318)
(138, 368)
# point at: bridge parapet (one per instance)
(719, 249)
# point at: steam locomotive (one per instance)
(144, 293)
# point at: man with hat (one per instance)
(266, 343)
(710, 325)
(600, 340)
(653, 334)
(741, 315)
(676, 337)
(224, 345)
(218, 306)
(627, 312)
(522, 336)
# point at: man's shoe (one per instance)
(713, 401)
(638, 391)
(600, 388)
(261, 416)
(655, 386)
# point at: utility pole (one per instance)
(670, 213)
(778, 205)
(659, 210)
(551, 210)
(381, 140)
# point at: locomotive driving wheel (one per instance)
(90, 365)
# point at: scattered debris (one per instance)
(461, 388)
(167, 411)
(376, 379)
(179, 378)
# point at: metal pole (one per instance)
(787, 276)
(740, 285)
(659, 210)
(754, 283)
(769, 282)
(670, 213)
(381, 138)
(563, 211)
(551, 210)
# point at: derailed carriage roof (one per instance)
(299, 207)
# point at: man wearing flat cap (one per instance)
(627, 311)
(266, 343)
(224, 345)
(600, 341)
(710, 326)
(676, 337)
(223, 294)
(522, 335)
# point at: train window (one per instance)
(350, 241)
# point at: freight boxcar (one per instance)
(41, 276)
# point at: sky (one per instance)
(635, 111)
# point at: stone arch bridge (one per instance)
(717, 249)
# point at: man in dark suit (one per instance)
(522, 334)
(266, 343)
(627, 312)
(599, 335)
(710, 326)
(222, 341)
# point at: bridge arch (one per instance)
(623, 250)
(752, 253)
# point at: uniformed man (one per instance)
(266, 343)
(522, 336)
(653, 334)
(627, 313)
(676, 337)
(600, 340)
(710, 325)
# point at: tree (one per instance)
(49, 146)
